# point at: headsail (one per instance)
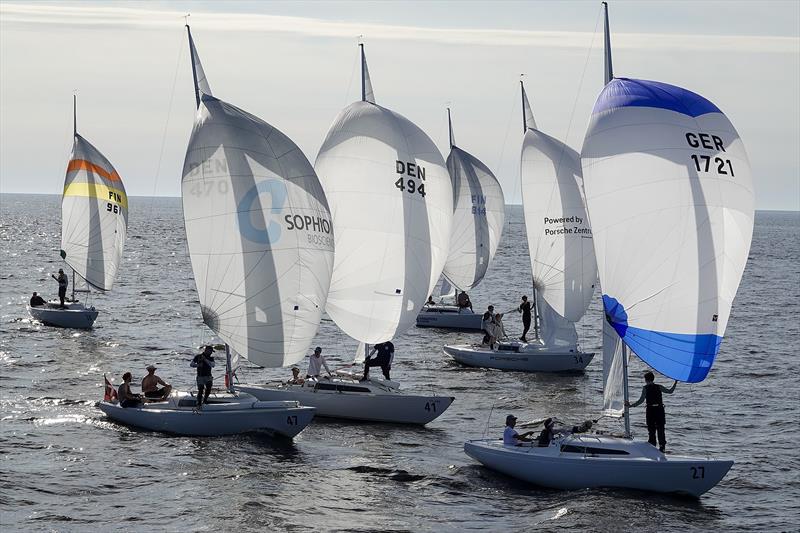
(259, 233)
(670, 195)
(392, 206)
(94, 215)
(478, 217)
(613, 373)
(559, 236)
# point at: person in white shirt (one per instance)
(315, 364)
(510, 435)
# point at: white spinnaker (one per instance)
(478, 217)
(94, 216)
(391, 242)
(559, 236)
(613, 377)
(259, 233)
(669, 190)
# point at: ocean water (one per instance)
(65, 467)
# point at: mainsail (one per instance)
(392, 207)
(478, 217)
(670, 196)
(559, 236)
(259, 232)
(94, 215)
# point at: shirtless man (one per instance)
(150, 385)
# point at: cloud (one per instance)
(125, 17)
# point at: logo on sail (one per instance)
(271, 232)
(319, 229)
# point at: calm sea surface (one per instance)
(64, 467)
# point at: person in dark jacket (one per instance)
(656, 418)
(384, 359)
(204, 362)
(63, 282)
(487, 325)
(525, 309)
(36, 300)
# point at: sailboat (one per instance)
(562, 260)
(478, 217)
(392, 208)
(258, 229)
(94, 222)
(672, 242)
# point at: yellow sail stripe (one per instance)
(101, 192)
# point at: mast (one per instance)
(363, 76)
(535, 312)
(74, 114)
(450, 128)
(73, 284)
(626, 413)
(522, 92)
(609, 70)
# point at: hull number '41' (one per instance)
(409, 174)
(430, 406)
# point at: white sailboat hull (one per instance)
(74, 315)
(226, 414)
(369, 401)
(626, 464)
(519, 356)
(449, 317)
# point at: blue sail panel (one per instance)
(681, 356)
(626, 92)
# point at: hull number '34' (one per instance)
(409, 174)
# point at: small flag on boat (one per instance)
(110, 393)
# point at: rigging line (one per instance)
(352, 73)
(505, 140)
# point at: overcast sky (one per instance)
(294, 65)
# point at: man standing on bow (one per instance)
(655, 416)
(63, 282)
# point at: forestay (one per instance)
(670, 196)
(392, 207)
(259, 233)
(559, 235)
(94, 216)
(478, 217)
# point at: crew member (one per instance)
(36, 300)
(487, 325)
(315, 364)
(150, 385)
(63, 281)
(525, 309)
(126, 397)
(384, 359)
(655, 416)
(204, 362)
(510, 435)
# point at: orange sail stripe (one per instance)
(82, 164)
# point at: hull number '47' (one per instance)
(291, 420)
(409, 174)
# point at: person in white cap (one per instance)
(510, 435)
(150, 385)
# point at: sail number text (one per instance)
(409, 174)
(698, 472)
(707, 163)
(114, 208)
